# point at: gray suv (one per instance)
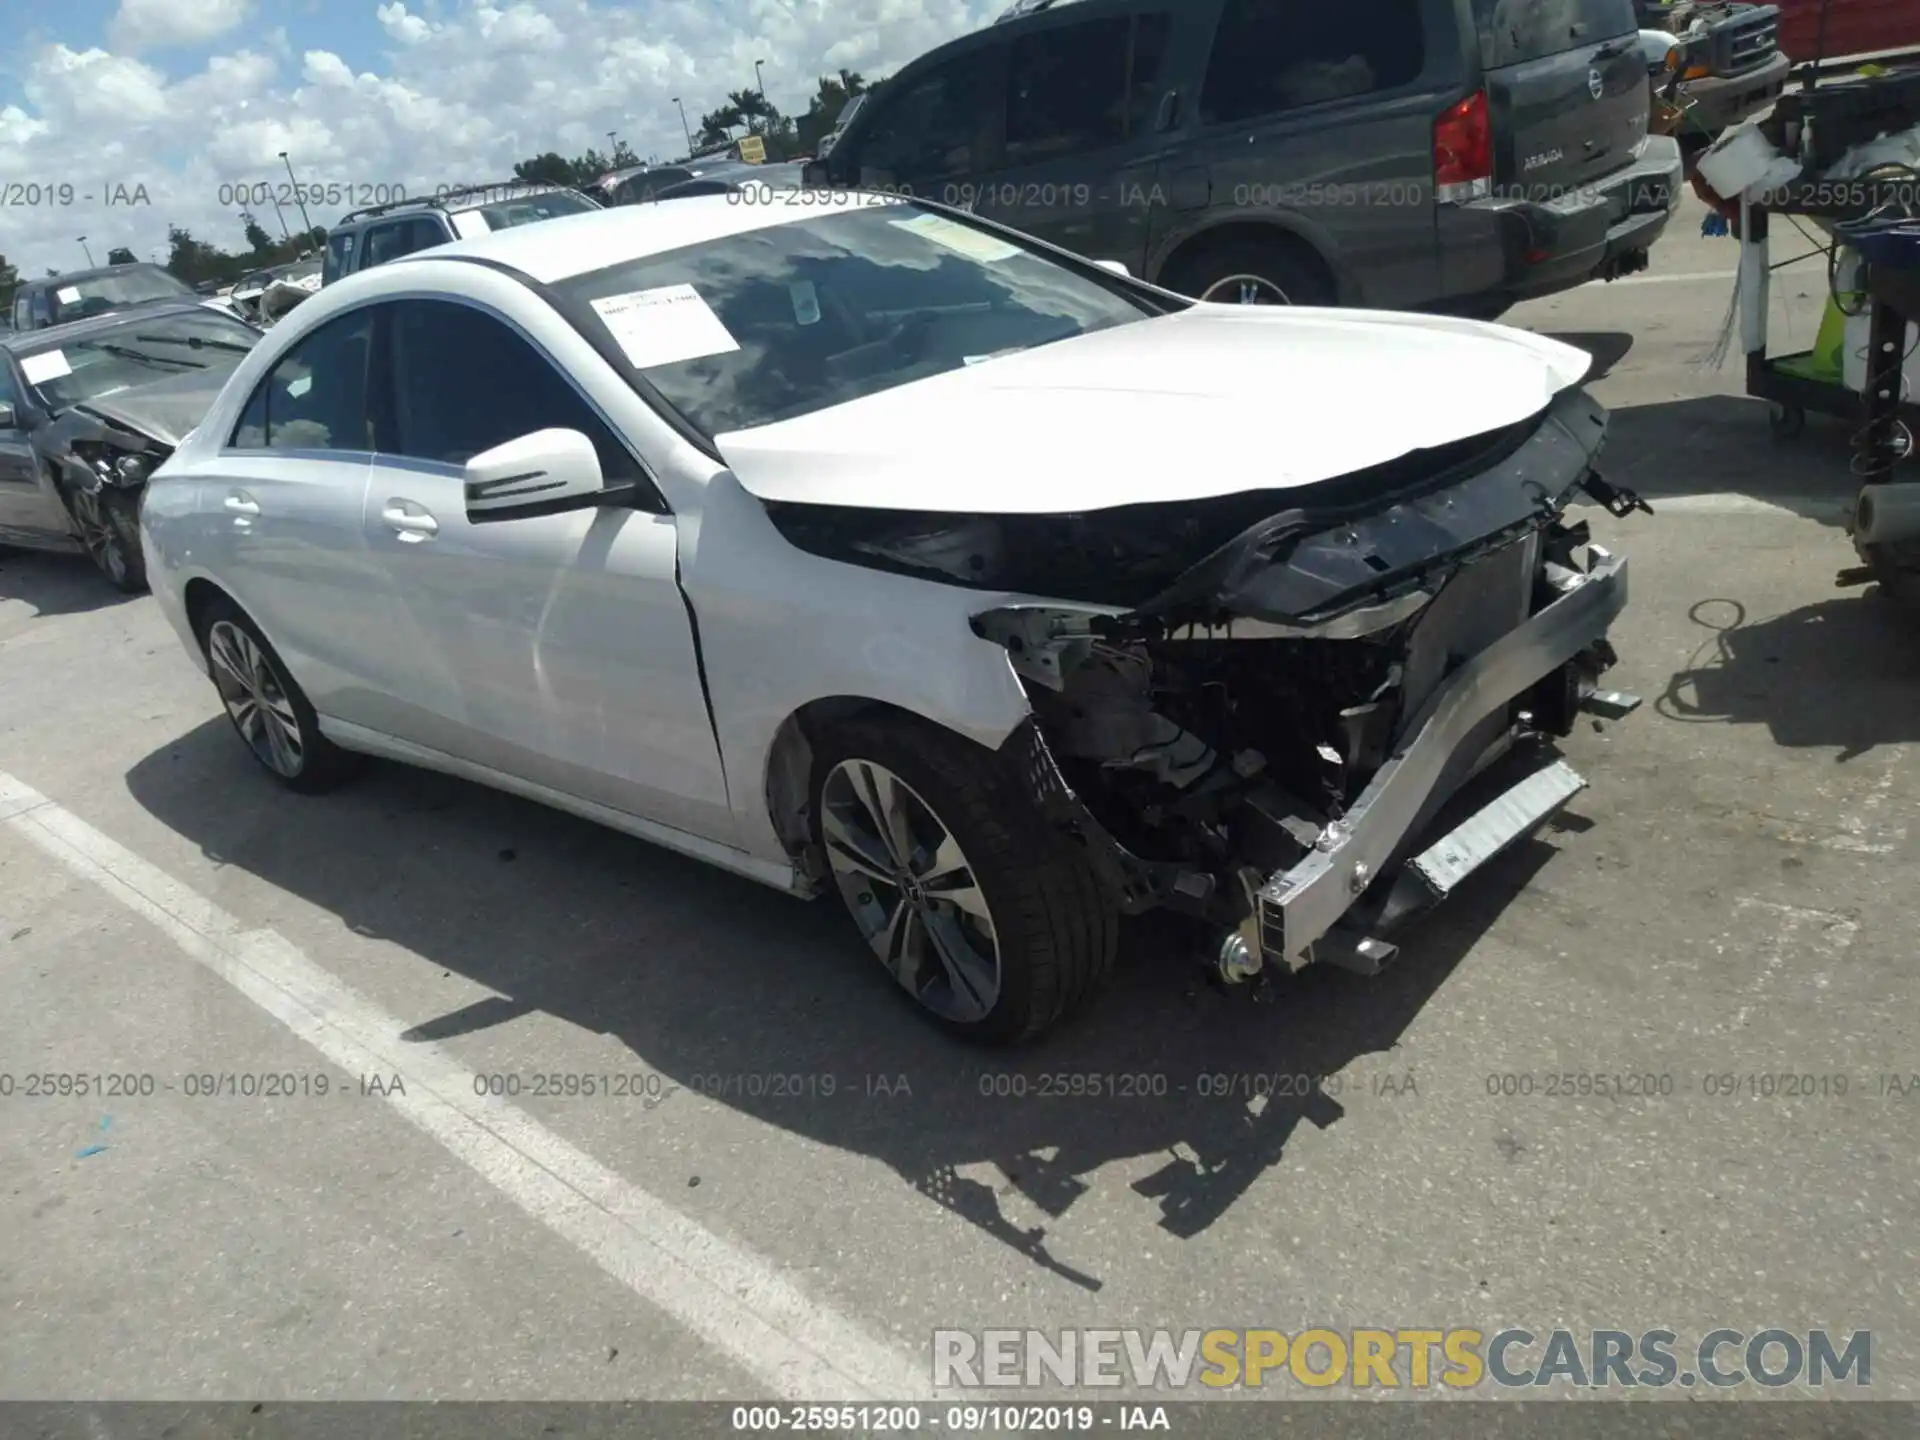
(1454, 155)
(379, 233)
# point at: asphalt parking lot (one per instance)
(801, 1181)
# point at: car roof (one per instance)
(571, 245)
(68, 277)
(460, 197)
(58, 335)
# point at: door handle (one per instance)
(407, 519)
(241, 503)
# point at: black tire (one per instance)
(1283, 266)
(109, 524)
(320, 764)
(1056, 928)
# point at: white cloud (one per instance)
(409, 29)
(460, 92)
(323, 67)
(148, 24)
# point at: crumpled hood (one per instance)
(164, 410)
(1210, 401)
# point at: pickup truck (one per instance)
(1732, 66)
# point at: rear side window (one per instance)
(1271, 56)
(464, 382)
(940, 125)
(1082, 87)
(315, 397)
(1512, 32)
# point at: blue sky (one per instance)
(189, 98)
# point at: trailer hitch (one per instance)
(1619, 501)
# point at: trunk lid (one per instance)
(1568, 89)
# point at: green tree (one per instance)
(195, 260)
(548, 168)
(834, 94)
(257, 238)
(9, 280)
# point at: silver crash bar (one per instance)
(1300, 905)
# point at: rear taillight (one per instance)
(1463, 151)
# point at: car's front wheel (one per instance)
(269, 711)
(986, 916)
(109, 526)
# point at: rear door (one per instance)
(1081, 148)
(28, 511)
(1568, 90)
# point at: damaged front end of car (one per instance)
(1269, 739)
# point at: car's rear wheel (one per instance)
(109, 526)
(1255, 272)
(269, 711)
(987, 917)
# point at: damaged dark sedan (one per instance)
(89, 409)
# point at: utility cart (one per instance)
(1886, 519)
(1819, 125)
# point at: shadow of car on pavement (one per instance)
(701, 974)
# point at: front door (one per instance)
(1082, 144)
(559, 648)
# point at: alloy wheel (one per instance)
(911, 890)
(256, 701)
(104, 545)
(1246, 290)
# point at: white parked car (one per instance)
(860, 546)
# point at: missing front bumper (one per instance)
(1301, 906)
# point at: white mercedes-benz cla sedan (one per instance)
(861, 546)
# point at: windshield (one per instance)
(856, 299)
(526, 209)
(93, 294)
(1513, 32)
(139, 352)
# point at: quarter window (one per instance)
(464, 382)
(1271, 56)
(315, 397)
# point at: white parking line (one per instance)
(1697, 277)
(734, 1299)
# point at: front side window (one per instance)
(315, 397)
(7, 395)
(339, 259)
(846, 302)
(391, 239)
(139, 351)
(1077, 88)
(1272, 56)
(464, 382)
(940, 125)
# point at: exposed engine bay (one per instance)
(1305, 692)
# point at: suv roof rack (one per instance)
(1022, 8)
(442, 196)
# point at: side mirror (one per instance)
(813, 174)
(545, 473)
(8, 419)
(1118, 267)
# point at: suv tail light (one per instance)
(1463, 151)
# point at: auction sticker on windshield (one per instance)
(665, 326)
(469, 223)
(67, 295)
(957, 237)
(50, 365)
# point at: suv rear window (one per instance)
(1512, 32)
(1271, 56)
